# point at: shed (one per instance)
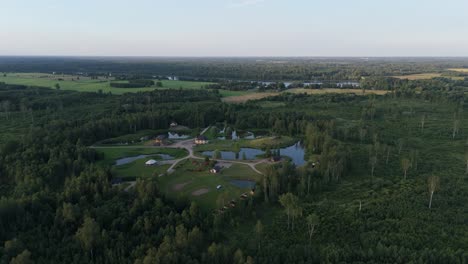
(151, 162)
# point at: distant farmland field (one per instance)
(256, 96)
(86, 84)
(463, 70)
(419, 76)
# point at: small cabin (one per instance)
(216, 169)
(116, 181)
(160, 140)
(173, 124)
(151, 162)
(275, 158)
(201, 140)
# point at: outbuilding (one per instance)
(151, 162)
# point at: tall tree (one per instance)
(312, 222)
(423, 121)
(88, 234)
(405, 165)
(433, 184)
(23, 258)
(290, 202)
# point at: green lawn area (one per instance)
(113, 153)
(86, 84)
(184, 182)
(138, 169)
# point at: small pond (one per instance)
(250, 154)
(172, 135)
(296, 152)
(243, 183)
(128, 160)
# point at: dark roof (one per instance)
(201, 137)
(217, 168)
(116, 180)
(276, 158)
(161, 137)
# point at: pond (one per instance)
(235, 136)
(250, 154)
(243, 183)
(172, 135)
(295, 152)
(128, 160)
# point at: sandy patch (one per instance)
(200, 192)
(180, 186)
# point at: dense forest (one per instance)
(247, 69)
(386, 180)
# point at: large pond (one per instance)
(296, 152)
(243, 184)
(249, 153)
(127, 160)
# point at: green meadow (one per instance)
(86, 84)
(200, 186)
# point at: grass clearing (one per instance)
(256, 96)
(113, 153)
(196, 181)
(335, 90)
(138, 169)
(248, 96)
(463, 70)
(419, 76)
(86, 84)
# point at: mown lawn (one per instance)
(138, 169)
(113, 153)
(184, 182)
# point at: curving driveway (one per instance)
(188, 145)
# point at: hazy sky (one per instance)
(234, 27)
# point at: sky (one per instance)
(234, 27)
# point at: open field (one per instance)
(463, 70)
(200, 186)
(256, 96)
(336, 90)
(419, 76)
(248, 96)
(113, 153)
(137, 169)
(86, 84)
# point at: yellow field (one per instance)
(336, 90)
(256, 96)
(246, 97)
(419, 76)
(464, 70)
